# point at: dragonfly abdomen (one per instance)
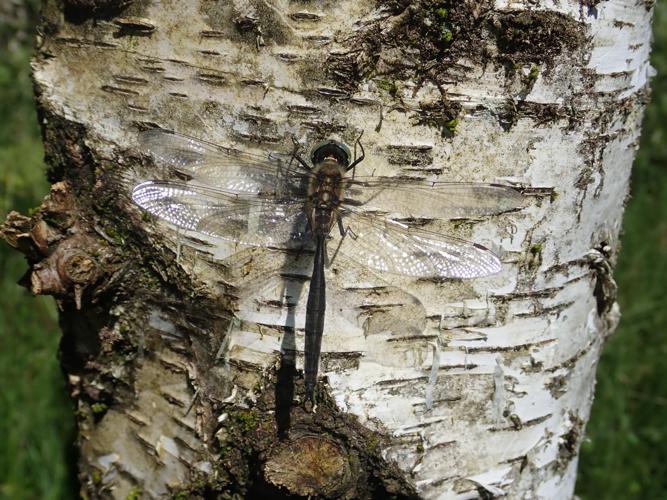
(315, 312)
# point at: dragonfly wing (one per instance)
(272, 296)
(384, 310)
(418, 198)
(391, 247)
(225, 168)
(218, 214)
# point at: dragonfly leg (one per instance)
(344, 231)
(341, 228)
(296, 156)
(357, 161)
(302, 162)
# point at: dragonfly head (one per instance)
(331, 149)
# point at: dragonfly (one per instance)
(285, 202)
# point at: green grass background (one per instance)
(36, 420)
(623, 457)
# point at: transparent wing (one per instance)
(211, 212)
(391, 247)
(418, 198)
(278, 296)
(224, 168)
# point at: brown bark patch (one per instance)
(308, 466)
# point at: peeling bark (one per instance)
(180, 353)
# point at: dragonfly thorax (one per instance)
(325, 193)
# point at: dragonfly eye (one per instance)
(331, 149)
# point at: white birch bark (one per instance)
(492, 398)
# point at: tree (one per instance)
(178, 395)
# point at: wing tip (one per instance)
(513, 196)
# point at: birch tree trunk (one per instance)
(186, 385)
